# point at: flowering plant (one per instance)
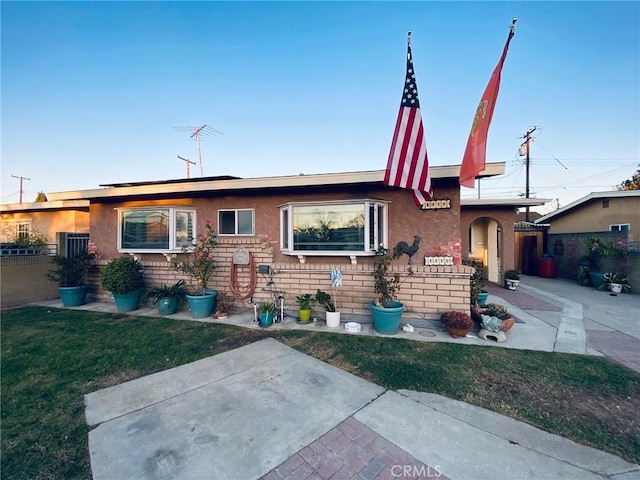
(198, 261)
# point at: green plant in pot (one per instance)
(123, 277)
(615, 282)
(331, 310)
(386, 309)
(457, 324)
(511, 279)
(168, 298)
(199, 262)
(265, 313)
(304, 307)
(71, 276)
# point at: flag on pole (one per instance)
(408, 165)
(474, 158)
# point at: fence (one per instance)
(570, 249)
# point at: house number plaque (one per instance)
(436, 204)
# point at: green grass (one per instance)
(52, 357)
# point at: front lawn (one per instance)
(52, 357)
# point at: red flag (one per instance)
(408, 165)
(473, 161)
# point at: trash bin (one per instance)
(547, 267)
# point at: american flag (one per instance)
(408, 165)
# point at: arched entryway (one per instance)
(485, 246)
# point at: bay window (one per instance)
(155, 229)
(348, 227)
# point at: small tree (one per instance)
(631, 184)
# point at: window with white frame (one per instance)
(23, 231)
(619, 227)
(236, 222)
(333, 228)
(155, 229)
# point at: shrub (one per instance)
(458, 320)
(122, 275)
(496, 310)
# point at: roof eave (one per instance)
(302, 180)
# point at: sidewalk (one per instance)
(267, 411)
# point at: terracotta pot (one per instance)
(457, 332)
(507, 324)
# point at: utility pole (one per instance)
(526, 144)
(21, 179)
(187, 161)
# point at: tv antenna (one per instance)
(187, 162)
(196, 133)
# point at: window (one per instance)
(235, 222)
(155, 229)
(23, 231)
(605, 203)
(333, 228)
(620, 227)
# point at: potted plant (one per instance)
(386, 309)
(199, 262)
(123, 277)
(511, 279)
(304, 307)
(265, 312)
(457, 324)
(615, 283)
(478, 294)
(168, 298)
(501, 313)
(330, 308)
(71, 276)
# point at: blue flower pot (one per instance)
(167, 305)
(202, 306)
(482, 298)
(73, 296)
(266, 319)
(386, 320)
(128, 302)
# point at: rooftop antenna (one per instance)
(187, 162)
(196, 133)
(21, 179)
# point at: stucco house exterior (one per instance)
(303, 226)
(598, 212)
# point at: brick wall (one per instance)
(427, 293)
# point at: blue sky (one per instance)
(92, 92)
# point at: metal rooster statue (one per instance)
(404, 248)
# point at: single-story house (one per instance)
(303, 226)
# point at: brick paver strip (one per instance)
(520, 299)
(622, 348)
(352, 451)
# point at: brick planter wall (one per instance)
(427, 293)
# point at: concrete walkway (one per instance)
(267, 411)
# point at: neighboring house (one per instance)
(300, 227)
(612, 216)
(64, 224)
(615, 211)
(49, 219)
